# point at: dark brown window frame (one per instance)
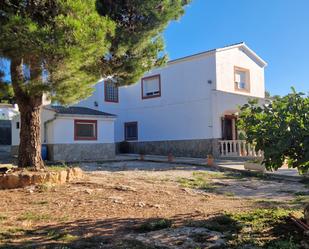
(247, 71)
(95, 137)
(105, 94)
(125, 131)
(142, 86)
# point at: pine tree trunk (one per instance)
(29, 152)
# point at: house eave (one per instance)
(247, 49)
(214, 51)
(60, 115)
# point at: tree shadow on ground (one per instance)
(87, 233)
(84, 233)
(110, 233)
(249, 231)
(140, 165)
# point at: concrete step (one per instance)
(235, 158)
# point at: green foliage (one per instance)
(280, 129)
(267, 94)
(6, 93)
(137, 45)
(283, 244)
(259, 218)
(241, 136)
(63, 47)
(57, 167)
(31, 216)
(220, 223)
(259, 224)
(6, 89)
(2, 217)
(258, 228)
(62, 39)
(60, 236)
(199, 180)
(75, 42)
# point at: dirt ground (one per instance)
(114, 200)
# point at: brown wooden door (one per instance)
(227, 127)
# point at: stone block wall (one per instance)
(182, 148)
(80, 152)
(77, 152)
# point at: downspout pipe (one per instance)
(45, 127)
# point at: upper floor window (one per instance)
(111, 91)
(242, 79)
(151, 87)
(130, 131)
(85, 129)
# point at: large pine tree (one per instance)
(137, 45)
(62, 47)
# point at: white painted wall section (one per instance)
(60, 130)
(226, 61)
(63, 131)
(45, 115)
(7, 112)
(226, 103)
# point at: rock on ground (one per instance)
(181, 238)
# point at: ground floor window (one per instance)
(130, 131)
(85, 129)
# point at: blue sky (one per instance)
(277, 30)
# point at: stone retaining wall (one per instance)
(181, 148)
(29, 178)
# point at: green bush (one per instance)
(280, 129)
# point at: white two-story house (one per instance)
(185, 108)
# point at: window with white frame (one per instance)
(151, 87)
(242, 79)
(111, 92)
(85, 129)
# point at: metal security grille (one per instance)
(85, 129)
(130, 130)
(111, 92)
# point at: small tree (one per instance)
(280, 129)
(62, 47)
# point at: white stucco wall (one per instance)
(182, 112)
(224, 103)
(189, 107)
(7, 112)
(225, 62)
(45, 115)
(61, 129)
